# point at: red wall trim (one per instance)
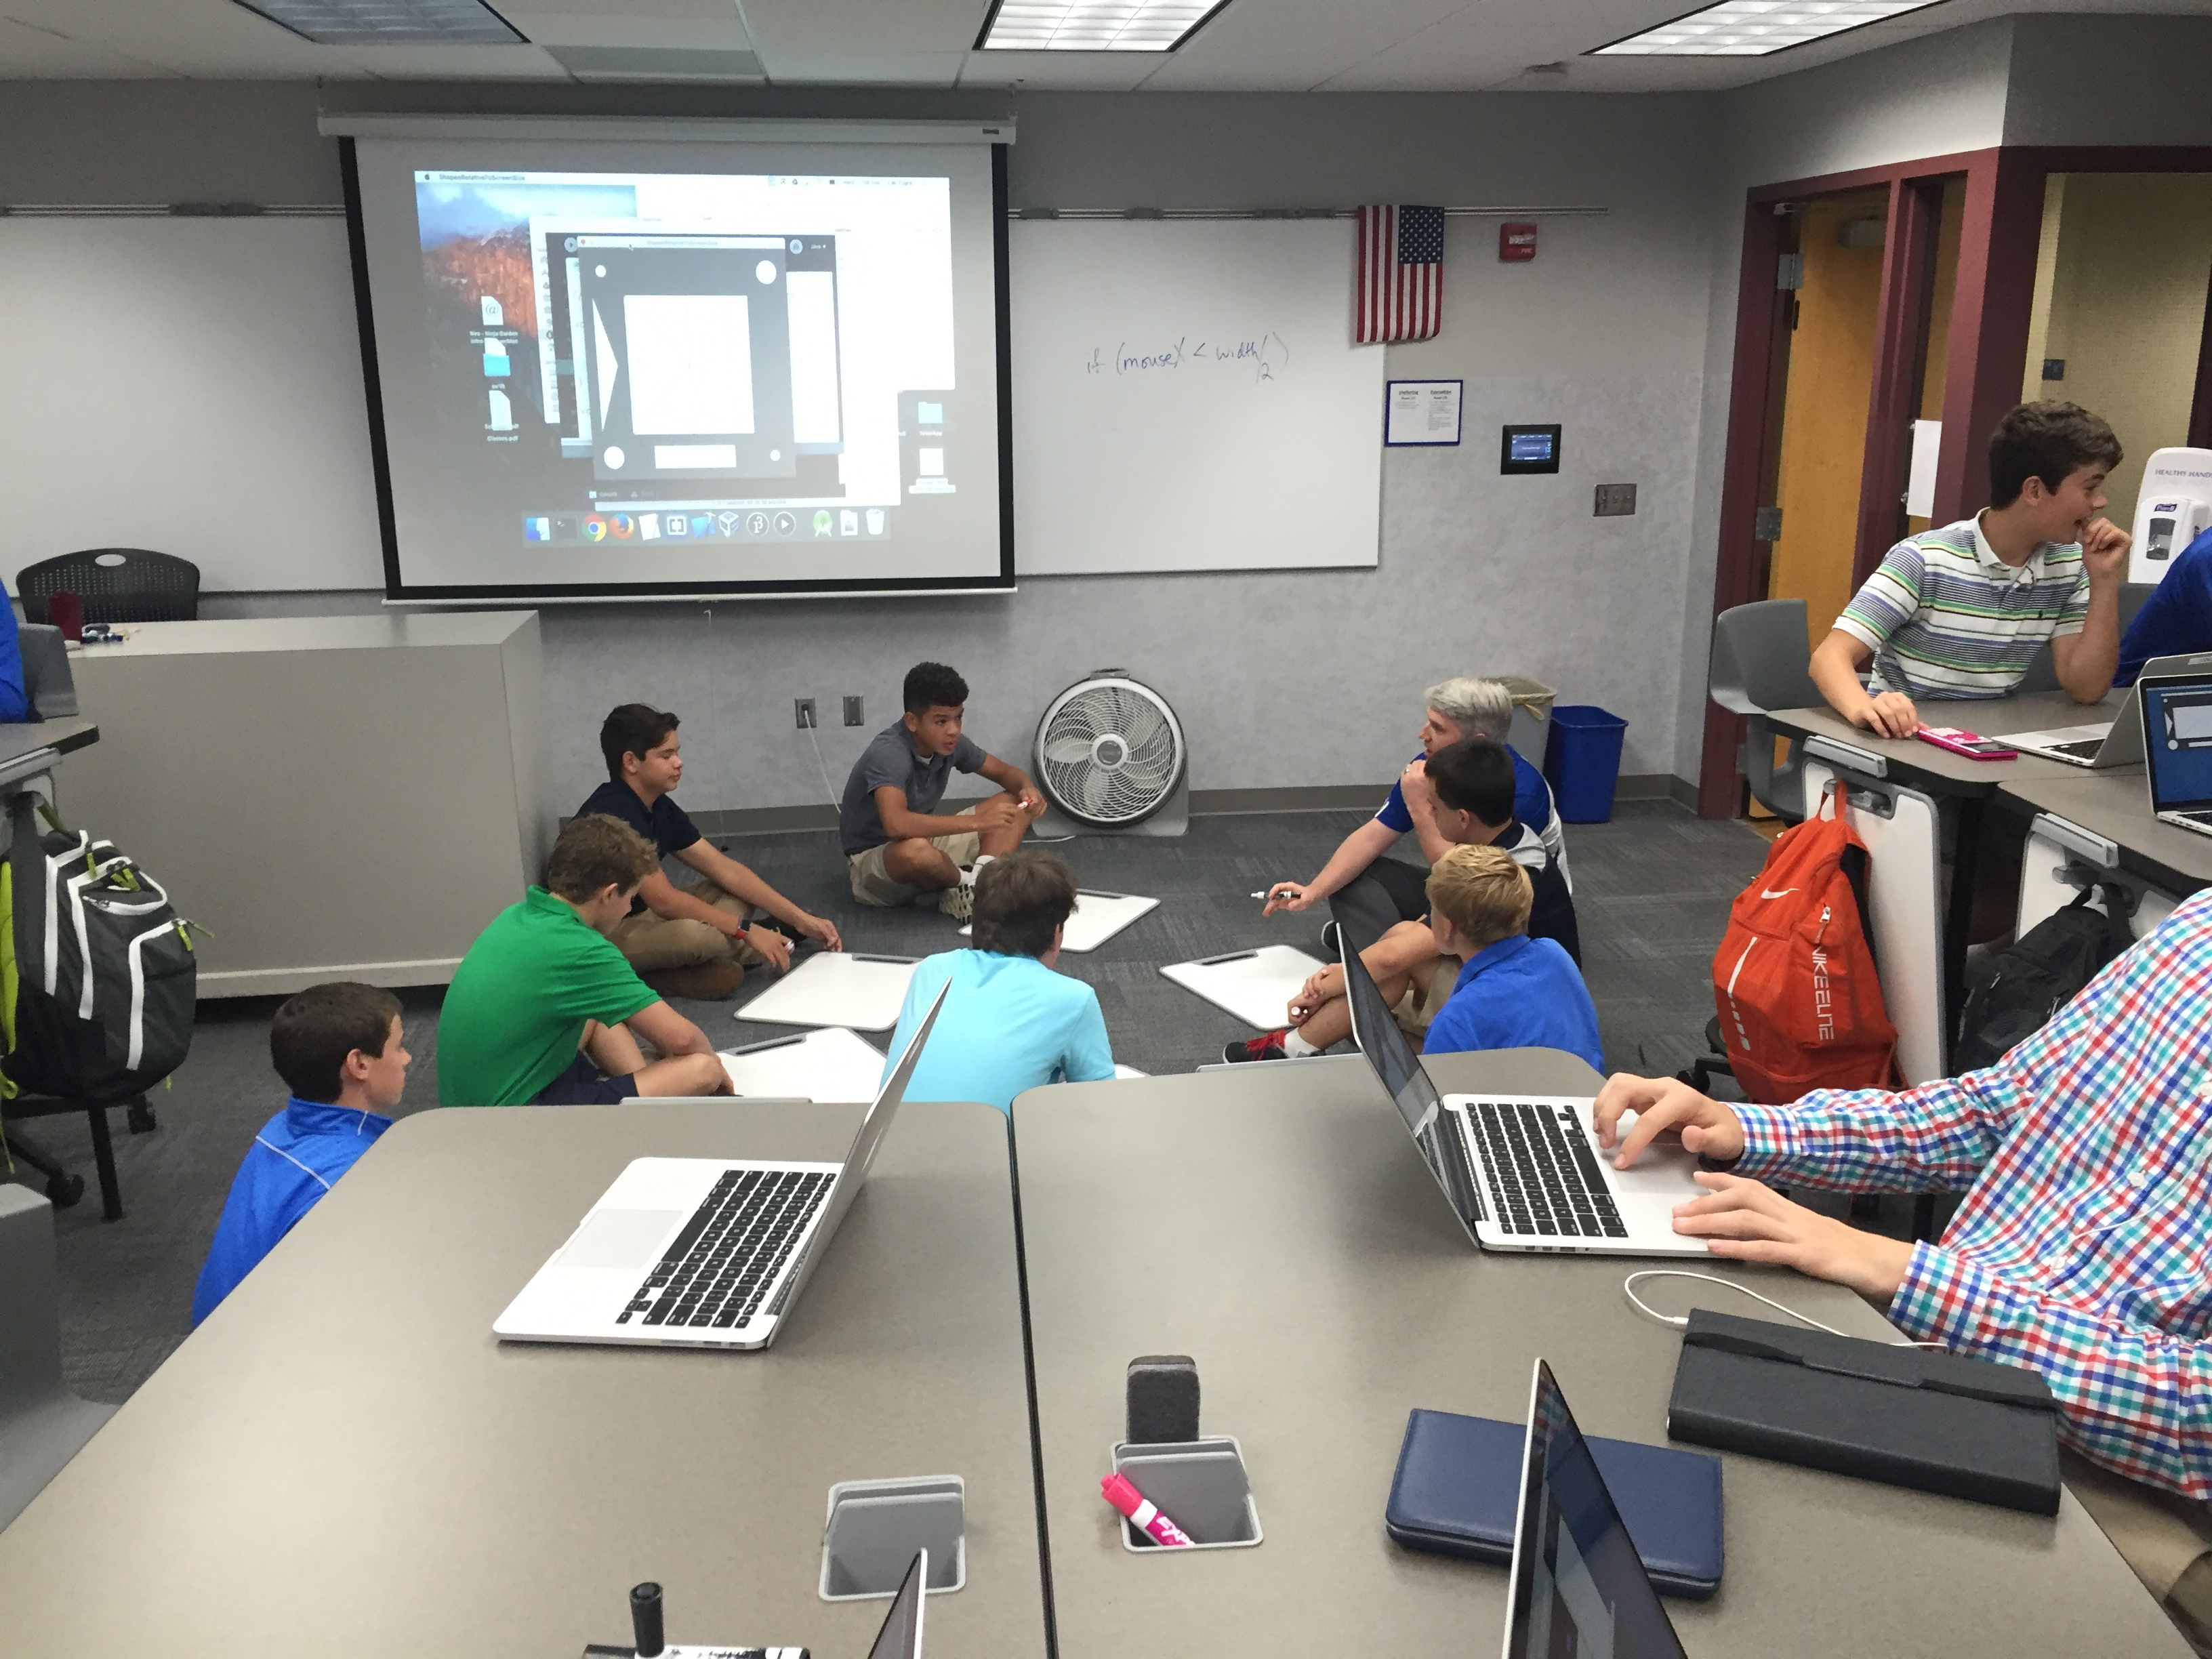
(1908, 266)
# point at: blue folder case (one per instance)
(1458, 1486)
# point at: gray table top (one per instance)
(1276, 1225)
(343, 1460)
(1923, 764)
(2115, 805)
(61, 736)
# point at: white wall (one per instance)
(2080, 80)
(1282, 680)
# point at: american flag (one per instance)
(1401, 275)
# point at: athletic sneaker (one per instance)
(1328, 938)
(1266, 1047)
(959, 902)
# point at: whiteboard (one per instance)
(191, 386)
(1187, 397)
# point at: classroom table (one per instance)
(29, 748)
(1968, 784)
(343, 1460)
(2115, 805)
(1276, 1224)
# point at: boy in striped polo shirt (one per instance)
(1960, 612)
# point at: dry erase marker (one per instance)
(1142, 1512)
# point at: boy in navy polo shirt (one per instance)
(1514, 991)
(695, 940)
(339, 1050)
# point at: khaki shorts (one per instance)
(650, 942)
(1427, 988)
(872, 884)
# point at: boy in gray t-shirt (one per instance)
(898, 845)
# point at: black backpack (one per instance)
(99, 979)
(2025, 984)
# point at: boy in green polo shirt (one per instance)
(542, 1009)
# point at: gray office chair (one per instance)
(1760, 656)
(2042, 672)
(48, 680)
(42, 1424)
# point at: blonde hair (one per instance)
(1487, 895)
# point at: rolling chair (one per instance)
(117, 584)
(42, 1425)
(1760, 657)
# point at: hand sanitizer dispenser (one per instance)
(2173, 509)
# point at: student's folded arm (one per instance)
(1010, 778)
(2130, 1397)
(1872, 1140)
(2087, 660)
(668, 1031)
(672, 904)
(737, 880)
(1398, 950)
(1090, 1052)
(901, 822)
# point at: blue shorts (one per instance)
(582, 1086)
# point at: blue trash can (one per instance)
(1583, 761)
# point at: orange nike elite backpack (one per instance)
(1800, 1002)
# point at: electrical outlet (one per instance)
(804, 707)
(856, 711)
(1614, 501)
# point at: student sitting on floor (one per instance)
(1377, 891)
(898, 845)
(1961, 611)
(1514, 991)
(695, 940)
(2176, 619)
(1472, 787)
(542, 1009)
(1009, 1023)
(340, 1049)
(2080, 1249)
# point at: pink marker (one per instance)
(1141, 1509)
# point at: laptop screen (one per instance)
(1578, 1585)
(901, 1635)
(1435, 1131)
(2177, 717)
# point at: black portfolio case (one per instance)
(1910, 1416)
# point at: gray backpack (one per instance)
(98, 998)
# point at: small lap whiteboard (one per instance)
(832, 1066)
(1255, 985)
(1187, 397)
(1096, 918)
(835, 988)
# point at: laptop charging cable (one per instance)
(1680, 1321)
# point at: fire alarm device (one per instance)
(1516, 243)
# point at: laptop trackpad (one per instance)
(620, 1238)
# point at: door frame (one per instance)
(1985, 361)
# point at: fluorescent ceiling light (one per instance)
(390, 22)
(1753, 28)
(1094, 25)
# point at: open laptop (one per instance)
(901, 1635)
(2098, 745)
(1578, 1585)
(1524, 1171)
(2177, 737)
(703, 1252)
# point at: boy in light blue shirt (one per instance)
(1514, 991)
(1011, 1023)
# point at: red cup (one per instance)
(66, 612)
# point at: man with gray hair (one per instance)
(1376, 893)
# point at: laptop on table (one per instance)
(1578, 1586)
(701, 1252)
(1524, 1171)
(2177, 737)
(2098, 746)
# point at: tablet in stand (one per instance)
(1255, 985)
(836, 988)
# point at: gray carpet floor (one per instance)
(1652, 890)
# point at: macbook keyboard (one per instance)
(2085, 749)
(714, 1273)
(1544, 1179)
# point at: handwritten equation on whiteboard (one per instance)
(1260, 359)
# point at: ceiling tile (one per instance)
(32, 53)
(866, 28)
(576, 26)
(863, 69)
(1060, 72)
(1283, 45)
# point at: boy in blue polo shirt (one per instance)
(338, 1050)
(2176, 620)
(1515, 991)
(1010, 1022)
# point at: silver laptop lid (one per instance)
(1435, 1131)
(2177, 734)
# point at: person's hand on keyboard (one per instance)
(1747, 1220)
(1707, 1127)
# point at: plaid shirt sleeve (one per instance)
(1870, 1140)
(2131, 1397)
(1889, 599)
